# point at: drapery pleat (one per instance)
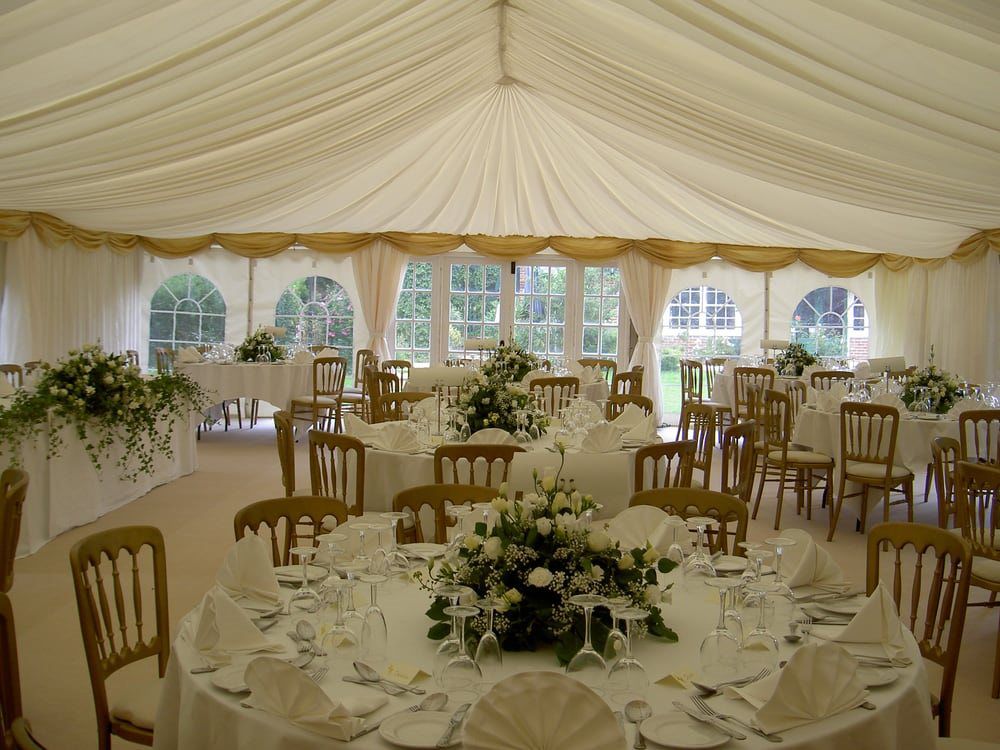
(900, 318)
(645, 286)
(378, 272)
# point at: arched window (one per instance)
(702, 320)
(186, 310)
(832, 322)
(317, 310)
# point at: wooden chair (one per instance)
(472, 456)
(697, 423)
(398, 367)
(946, 452)
(13, 489)
(397, 406)
(977, 505)
(618, 401)
(164, 361)
(608, 367)
(379, 384)
(676, 458)
(782, 462)
(337, 469)
(284, 519)
(132, 357)
(688, 502)
(23, 738)
(10, 677)
(979, 435)
(796, 391)
(940, 604)
(328, 375)
(437, 497)
(284, 434)
(355, 398)
(761, 377)
(116, 624)
(867, 454)
(627, 382)
(738, 465)
(694, 391)
(14, 375)
(713, 368)
(822, 380)
(553, 394)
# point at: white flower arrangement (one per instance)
(261, 343)
(510, 363)
(942, 388)
(795, 356)
(490, 402)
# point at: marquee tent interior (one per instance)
(686, 143)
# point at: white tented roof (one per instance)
(845, 124)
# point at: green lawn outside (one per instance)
(670, 388)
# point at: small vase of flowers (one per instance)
(260, 346)
(795, 358)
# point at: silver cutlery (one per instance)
(386, 688)
(706, 709)
(637, 712)
(368, 673)
(433, 702)
(698, 716)
(453, 724)
(318, 675)
(710, 690)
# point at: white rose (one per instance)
(597, 572)
(560, 502)
(650, 556)
(598, 541)
(544, 526)
(502, 489)
(493, 547)
(473, 542)
(513, 596)
(532, 499)
(565, 521)
(627, 562)
(501, 505)
(540, 577)
(653, 594)
(548, 483)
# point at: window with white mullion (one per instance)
(540, 308)
(602, 314)
(473, 303)
(413, 340)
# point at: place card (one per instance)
(404, 673)
(681, 679)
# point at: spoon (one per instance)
(307, 633)
(637, 712)
(371, 675)
(383, 686)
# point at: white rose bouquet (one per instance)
(491, 402)
(260, 343)
(942, 388)
(541, 551)
(510, 363)
(795, 356)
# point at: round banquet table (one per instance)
(275, 382)
(425, 378)
(194, 715)
(724, 387)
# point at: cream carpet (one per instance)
(195, 514)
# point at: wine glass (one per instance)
(354, 620)
(534, 433)
(489, 655)
(340, 644)
(461, 675)
(587, 665)
(449, 646)
(397, 561)
(698, 565)
(459, 513)
(760, 647)
(614, 645)
(380, 557)
(781, 590)
(464, 431)
(675, 552)
(362, 556)
(375, 625)
(732, 587)
(521, 436)
(332, 541)
(627, 680)
(304, 597)
(720, 649)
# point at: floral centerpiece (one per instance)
(493, 402)
(107, 401)
(796, 357)
(510, 363)
(541, 551)
(260, 344)
(942, 389)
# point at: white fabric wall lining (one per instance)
(378, 273)
(644, 289)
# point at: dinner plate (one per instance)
(417, 729)
(847, 607)
(730, 564)
(293, 573)
(426, 550)
(928, 417)
(678, 730)
(231, 678)
(877, 676)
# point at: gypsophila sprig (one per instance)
(257, 344)
(510, 363)
(107, 402)
(492, 402)
(796, 356)
(540, 551)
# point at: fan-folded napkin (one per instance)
(248, 571)
(635, 526)
(820, 680)
(358, 428)
(428, 408)
(283, 690)
(810, 563)
(631, 416)
(188, 355)
(890, 399)
(604, 438)
(829, 400)
(963, 406)
(863, 371)
(397, 437)
(876, 624)
(532, 375)
(492, 435)
(329, 352)
(644, 432)
(303, 357)
(221, 629)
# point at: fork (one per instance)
(710, 690)
(702, 705)
(319, 674)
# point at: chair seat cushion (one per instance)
(802, 457)
(986, 569)
(352, 390)
(875, 471)
(319, 400)
(137, 705)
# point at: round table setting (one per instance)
(276, 383)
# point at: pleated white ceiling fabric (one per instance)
(858, 124)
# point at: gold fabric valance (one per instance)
(670, 253)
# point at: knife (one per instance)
(697, 715)
(456, 719)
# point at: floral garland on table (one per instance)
(540, 552)
(257, 343)
(492, 402)
(796, 356)
(510, 363)
(942, 388)
(107, 401)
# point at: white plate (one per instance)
(231, 679)
(420, 729)
(730, 564)
(842, 608)
(426, 550)
(678, 730)
(260, 608)
(293, 573)
(928, 417)
(877, 676)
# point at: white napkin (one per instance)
(631, 416)
(428, 408)
(276, 331)
(589, 374)
(303, 357)
(962, 406)
(286, 691)
(494, 436)
(811, 395)
(397, 437)
(634, 526)
(890, 399)
(876, 624)
(728, 366)
(532, 375)
(6, 389)
(644, 431)
(425, 378)
(809, 563)
(357, 427)
(829, 400)
(221, 628)
(248, 571)
(863, 371)
(575, 368)
(189, 355)
(604, 438)
(820, 680)
(808, 370)
(329, 352)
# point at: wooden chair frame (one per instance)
(10, 676)
(694, 391)
(14, 374)
(284, 435)
(553, 394)
(13, 490)
(945, 453)
(132, 357)
(687, 502)
(473, 455)
(617, 402)
(979, 435)
(738, 464)
(674, 475)
(328, 375)
(379, 384)
(436, 496)
(397, 406)
(104, 618)
(330, 458)
(398, 367)
(821, 380)
(164, 360)
(627, 382)
(762, 377)
(607, 367)
(697, 423)
(291, 510)
(355, 398)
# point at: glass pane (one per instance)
(610, 316)
(492, 313)
(213, 303)
(408, 277)
(591, 280)
(491, 332)
(557, 280)
(591, 339)
(538, 340)
(540, 279)
(423, 275)
(163, 299)
(612, 282)
(161, 326)
(475, 309)
(188, 306)
(456, 337)
(493, 278)
(404, 308)
(178, 285)
(557, 310)
(213, 328)
(188, 327)
(458, 277)
(456, 308)
(421, 358)
(422, 303)
(521, 336)
(609, 341)
(404, 338)
(522, 280)
(475, 278)
(592, 310)
(474, 331)
(556, 339)
(422, 335)
(522, 310)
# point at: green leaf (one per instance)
(436, 610)
(650, 576)
(481, 529)
(439, 631)
(665, 566)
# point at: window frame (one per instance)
(173, 342)
(848, 319)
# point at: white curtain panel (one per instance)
(900, 314)
(645, 286)
(378, 272)
(57, 300)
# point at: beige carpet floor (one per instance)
(195, 514)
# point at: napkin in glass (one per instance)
(188, 355)
(329, 352)
(286, 691)
(358, 428)
(875, 630)
(890, 399)
(631, 416)
(221, 628)
(633, 527)
(643, 432)
(963, 406)
(398, 438)
(809, 562)
(820, 680)
(829, 400)
(303, 357)
(492, 435)
(604, 438)
(591, 411)
(248, 571)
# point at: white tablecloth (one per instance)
(425, 378)
(276, 383)
(193, 715)
(724, 387)
(67, 491)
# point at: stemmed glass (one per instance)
(614, 645)
(534, 434)
(489, 656)
(464, 431)
(587, 665)
(675, 552)
(699, 563)
(521, 436)
(458, 512)
(720, 649)
(461, 675)
(760, 648)
(353, 620)
(449, 646)
(397, 560)
(332, 541)
(375, 625)
(340, 643)
(780, 588)
(304, 597)
(628, 680)
(380, 558)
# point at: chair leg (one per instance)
(225, 416)
(239, 411)
(760, 487)
(996, 665)
(835, 508)
(782, 473)
(927, 482)
(908, 489)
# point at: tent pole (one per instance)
(251, 266)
